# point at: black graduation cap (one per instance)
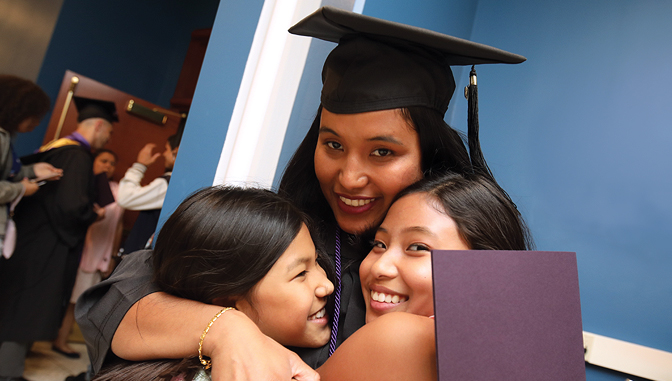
(95, 108)
(380, 64)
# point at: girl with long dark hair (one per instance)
(245, 249)
(451, 212)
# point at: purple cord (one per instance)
(337, 307)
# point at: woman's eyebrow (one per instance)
(387, 139)
(380, 138)
(411, 229)
(324, 129)
(419, 229)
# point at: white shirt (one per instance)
(132, 196)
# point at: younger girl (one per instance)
(454, 212)
(247, 249)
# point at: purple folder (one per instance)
(507, 315)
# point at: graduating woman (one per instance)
(379, 128)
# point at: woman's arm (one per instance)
(161, 325)
(396, 346)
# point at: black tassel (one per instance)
(478, 163)
(475, 153)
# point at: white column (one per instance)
(266, 96)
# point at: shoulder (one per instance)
(4, 141)
(398, 328)
(69, 155)
(69, 150)
(5, 136)
(375, 351)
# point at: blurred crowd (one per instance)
(61, 225)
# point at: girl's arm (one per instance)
(396, 346)
(126, 312)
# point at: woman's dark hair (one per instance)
(442, 149)
(105, 150)
(485, 216)
(20, 99)
(219, 243)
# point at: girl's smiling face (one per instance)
(397, 273)
(289, 303)
(362, 161)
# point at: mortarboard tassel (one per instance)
(478, 163)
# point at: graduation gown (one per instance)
(36, 282)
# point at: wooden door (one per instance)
(130, 134)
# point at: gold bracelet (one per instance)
(207, 363)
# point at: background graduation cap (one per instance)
(95, 108)
(381, 65)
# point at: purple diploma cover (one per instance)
(513, 315)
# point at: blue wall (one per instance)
(213, 102)
(135, 46)
(577, 135)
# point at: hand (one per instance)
(240, 351)
(29, 187)
(145, 156)
(99, 211)
(46, 171)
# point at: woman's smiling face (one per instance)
(397, 273)
(362, 161)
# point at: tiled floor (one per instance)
(43, 364)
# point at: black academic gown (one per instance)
(36, 282)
